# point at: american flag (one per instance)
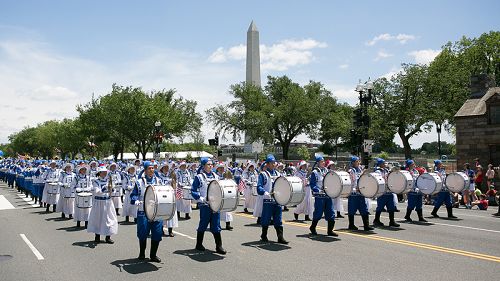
(241, 185)
(178, 193)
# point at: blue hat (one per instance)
(204, 160)
(319, 158)
(270, 158)
(379, 161)
(354, 158)
(409, 162)
(147, 164)
(437, 162)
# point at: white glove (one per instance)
(202, 200)
(137, 203)
(416, 189)
(267, 194)
(79, 190)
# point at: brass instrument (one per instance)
(173, 176)
(110, 185)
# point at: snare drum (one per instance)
(288, 191)
(159, 202)
(400, 182)
(254, 189)
(223, 195)
(84, 200)
(457, 182)
(337, 183)
(429, 183)
(53, 188)
(186, 193)
(115, 192)
(371, 185)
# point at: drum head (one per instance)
(456, 182)
(332, 184)
(84, 194)
(397, 181)
(368, 185)
(282, 191)
(150, 203)
(214, 195)
(427, 183)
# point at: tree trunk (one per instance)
(286, 147)
(406, 144)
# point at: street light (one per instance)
(157, 138)
(438, 129)
(365, 99)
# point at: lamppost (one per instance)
(438, 129)
(157, 138)
(362, 120)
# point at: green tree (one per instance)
(336, 123)
(303, 152)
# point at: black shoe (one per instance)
(199, 241)
(285, 209)
(339, 215)
(351, 223)
(228, 226)
(296, 216)
(63, 216)
(178, 215)
(307, 218)
(127, 219)
(170, 232)
(97, 238)
(109, 241)
(263, 235)
(117, 212)
(258, 220)
(421, 216)
(331, 225)
(434, 212)
(154, 250)
(312, 228)
(218, 244)
(47, 210)
(70, 217)
(376, 221)
(142, 249)
(450, 213)
(407, 216)
(366, 224)
(392, 222)
(54, 208)
(86, 224)
(187, 217)
(279, 233)
(135, 220)
(78, 224)
(245, 210)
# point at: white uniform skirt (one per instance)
(337, 205)
(259, 205)
(183, 206)
(117, 201)
(102, 218)
(81, 214)
(66, 205)
(306, 207)
(129, 210)
(249, 198)
(51, 199)
(173, 222)
(226, 216)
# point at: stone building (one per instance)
(478, 124)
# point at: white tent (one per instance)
(166, 154)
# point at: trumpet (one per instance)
(110, 186)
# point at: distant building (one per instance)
(478, 124)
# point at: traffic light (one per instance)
(216, 140)
(219, 153)
(211, 142)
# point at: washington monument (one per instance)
(253, 76)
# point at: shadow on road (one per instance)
(268, 246)
(126, 223)
(56, 219)
(418, 223)
(360, 231)
(135, 266)
(205, 256)
(87, 244)
(71, 228)
(445, 218)
(321, 238)
(40, 212)
(390, 228)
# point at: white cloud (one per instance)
(382, 55)
(401, 38)
(280, 56)
(343, 66)
(47, 92)
(424, 56)
(392, 72)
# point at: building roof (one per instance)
(476, 107)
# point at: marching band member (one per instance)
(270, 207)
(322, 203)
(356, 201)
(386, 200)
(183, 180)
(305, 207)
(92, 171)
(144, 227)
(167, 180)
(50, 176)
(444, 194)
(259, 201)
(102, 219)
(337, 202)
(129, 178)
(250, 176)
(226, 217)
(414, 196)
(66, 203)
(81, 183)
(199, 193)
(116, 195)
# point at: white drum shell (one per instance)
(223, 195)
(84, 200)
(186, 193)
(254, 189)
(159, 202)
(371, 185)
(288, 191)
(53, 188)
(429, 183)
(457, 181)
(400, 182)
(337, 183)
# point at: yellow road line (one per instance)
(398, 241)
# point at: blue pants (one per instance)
(208, 216)
(271, 209)
(356, 202)
(443, 196)
(386, 200)
(415, 201)
(144, 227)
(323, 204)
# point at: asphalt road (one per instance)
(463, 249)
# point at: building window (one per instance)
(495, 114)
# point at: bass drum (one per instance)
(457, 182)
(337, 183)
(400, 182)
(371, 185)
(288, 191)
(429, 183)
(159, 202)
(223, 195)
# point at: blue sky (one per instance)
(55, 54)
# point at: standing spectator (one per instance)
(469, 190)
(476, 162)
(478, 180)
(490, 175)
